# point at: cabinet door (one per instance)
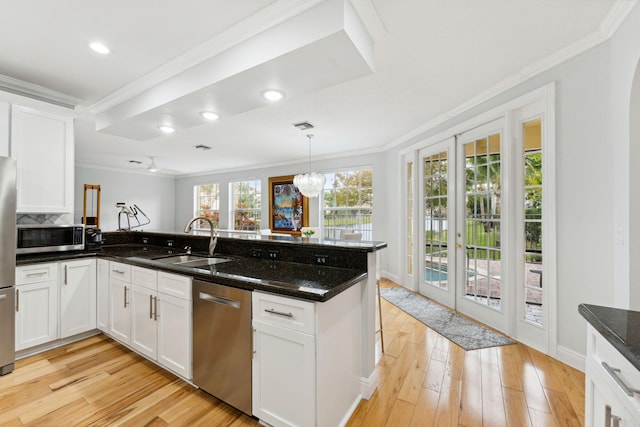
(42, 144)
(36, 314)
(120, 310)
(143, 321)
(283, 376)
(77, 297)
(174, 334)
(102, 295)
(604, 408)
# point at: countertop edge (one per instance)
(609, 334)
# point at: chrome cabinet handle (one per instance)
(150, 306)
(614, 373)
(39, 273)
(65, 274)
(279, 313)
(118, 271)
(125, 297)
(17, 300)
(607, 416)
(155, 308)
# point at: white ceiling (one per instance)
(430, 56)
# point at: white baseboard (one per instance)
(352, 409)
(571, 358)
(369, 385)
(390, 276)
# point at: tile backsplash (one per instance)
(66, 218)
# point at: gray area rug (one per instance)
(467, 334)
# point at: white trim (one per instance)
(617, 14)
(269, 17)
(37, 92)
(369, 384)
(613, 20)
(571, 358)
(391, 276)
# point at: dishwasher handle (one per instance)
(220, 300)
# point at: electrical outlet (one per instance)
(256, 253)
(322, 259)
(273, 254)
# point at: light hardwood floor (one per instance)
(425, 380)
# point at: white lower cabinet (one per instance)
(306, 362)
(283, 376)
(610, 379)
(77, 297)
(36, 305)
(146, 315)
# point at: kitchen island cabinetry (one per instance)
(612, 366)
(77, 297)
(36, 305)
(146, 314)
(42, 144)
(306, 363)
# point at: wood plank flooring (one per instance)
(425, 380)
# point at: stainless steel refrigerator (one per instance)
(7, 263)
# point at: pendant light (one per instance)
(310, 184)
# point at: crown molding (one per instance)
(37, 92)
(617, 15)
(274, 14)
(614, 19)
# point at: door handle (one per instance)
(125, 297)
(150, 306)
(65, 274)
(17, 300)
(155, 308)
(279, 313)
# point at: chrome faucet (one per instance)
(213, 241)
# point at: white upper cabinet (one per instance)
(42, 144)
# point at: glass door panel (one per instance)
(437, 175)
(480, 221)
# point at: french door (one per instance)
(482, 218)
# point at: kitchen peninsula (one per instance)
(312, 298)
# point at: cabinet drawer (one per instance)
(176, 285)
(36, 273)
(120, 271)
(285, 312)
(603, 351)
(144, 277)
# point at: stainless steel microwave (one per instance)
(49, 238)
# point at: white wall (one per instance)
(154, 194)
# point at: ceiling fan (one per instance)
(152, 166)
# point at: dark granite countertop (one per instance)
(305, 281)
(618, 326)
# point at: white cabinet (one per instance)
(36, 305)
(173, 316)
(102, 295)
(42, 144)
(306, 362)
(609, 376)
(77, 297)
(120, 301)
(151, 312)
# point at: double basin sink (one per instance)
(189, 260)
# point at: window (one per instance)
(348, 203)
(246, 196)
(207, 204)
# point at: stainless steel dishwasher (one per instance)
(222, 343)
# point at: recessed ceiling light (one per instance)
(272, 95)
(167, 128)
(100, 48)
(209, 115)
